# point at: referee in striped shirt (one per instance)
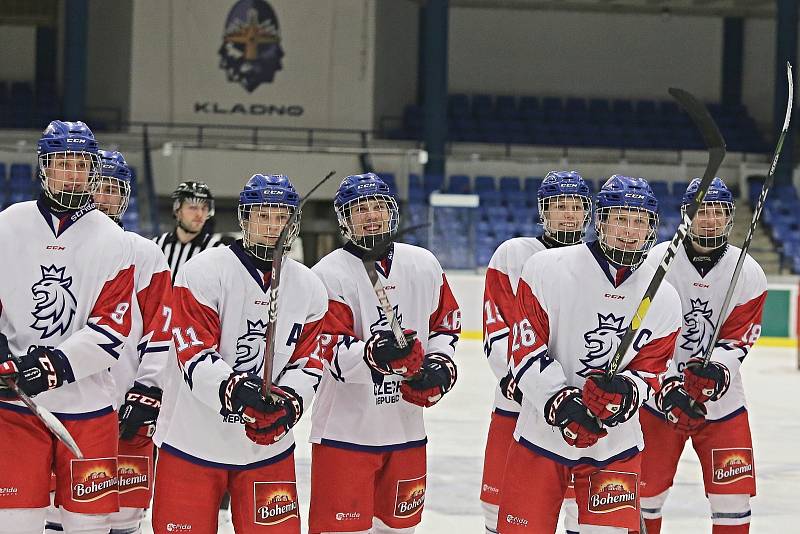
(193, 206)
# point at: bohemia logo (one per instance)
(612, 490)
(730, 465)
(133, 473)
(697, 327)
(249, 348)
(275, 502)
(54, 303)
(93, 479)
(251, 49)
(601, 342)
(410, 497)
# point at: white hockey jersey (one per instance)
(499, 306)
(219, 324)
(67, 284)
(355, 408)
(574, 308)
(701, 299)
(145, 355)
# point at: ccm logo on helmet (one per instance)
(633, 195)
(75, 140)
(365, 186)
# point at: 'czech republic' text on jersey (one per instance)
(67, 284)
(573, 313)
(145, 355)
(219, 323)
(355, 409)
(500, 289)
(701, 300)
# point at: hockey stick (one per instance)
(756, 215)
(45, 416)
(716, 153)
(275, 280)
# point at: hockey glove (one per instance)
(508, 386)
(382, 353)
(678, 407)
(567, 411)
(437, 376)
(40, 370)
(612, 401)
(137, 417)
(706, 383)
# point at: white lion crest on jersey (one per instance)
(250, 348)
(383, 322)
(54, 303)
(697, 327)
(601, 342)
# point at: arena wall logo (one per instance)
(251, 49)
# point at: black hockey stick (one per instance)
(756, 215)
(45, 416)
(274, 281)
(716, 153)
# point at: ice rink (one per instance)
(457, 434)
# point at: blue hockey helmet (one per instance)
(626, 219)
(366, 210)
(714, 220)
(68, 163)
(265, 205)
(112, 190)
(565, 206)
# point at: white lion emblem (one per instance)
(697, 327)
(54, 302)
(250, 348)
(601, 342)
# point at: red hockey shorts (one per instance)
(135, 474)
(349, 488)
(500, 438)
(187, 497)
(725, 450)
(534, 487)
(87, 486)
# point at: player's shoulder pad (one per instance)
(752, 275)
(514, 251)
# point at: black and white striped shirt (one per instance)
(178, 253)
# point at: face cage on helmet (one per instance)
(265, 251)
(55, 183)
(714, 241)
(389, 220)
(565, 237)
(626, 258)
(116, 188)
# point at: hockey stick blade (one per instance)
(274, 282)
(716, 153)
(369, 259)
(762, 198)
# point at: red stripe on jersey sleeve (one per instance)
(113, 306)
(196, 326)
(653, 358)
(446, 318)
(153, 302)
(499, 302)
(307, 344)
(743, 318)
(532, 317)
(338, 322)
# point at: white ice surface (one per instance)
(457, 435)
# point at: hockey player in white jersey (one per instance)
(217, 431)
(706, 404)
(565, 208)
(65, 305)
(368, 455)
(574, 305)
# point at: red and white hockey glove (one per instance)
(567, 411)
(40, 370)
(678, 407)
(382, 353)
(509, 389)
(137, 417)
(612, 401)
(706, 383)
(437, 376)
